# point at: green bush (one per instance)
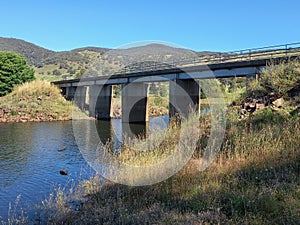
(280, 78)
(13, 71)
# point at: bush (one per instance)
(13, 70)
(280, 78)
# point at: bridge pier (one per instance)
(184, 97)
(100, 101)
(70, 93)
(134, 103)
(80, 99)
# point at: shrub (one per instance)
(280, 78)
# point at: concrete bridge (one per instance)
(184, 89)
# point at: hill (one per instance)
(33, 53)
(51, 65)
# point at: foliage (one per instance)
(280, 78)
(13, 70)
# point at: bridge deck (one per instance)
(220, 70)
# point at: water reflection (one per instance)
(115, 131)
(30, 160)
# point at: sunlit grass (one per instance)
(254, 180)
(35, 101)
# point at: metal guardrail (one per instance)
(269, 52)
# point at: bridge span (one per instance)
(184, 89)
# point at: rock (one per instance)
(62, 148)
(278, 102)
(243, 111)
(245, 105)
(260, 100)
(251, 107)
(63, 172)
(260, 106)
(274, 109)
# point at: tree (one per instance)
(14, 70)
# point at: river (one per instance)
(30, 162)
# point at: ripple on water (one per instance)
(30, 161)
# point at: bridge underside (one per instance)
(95, 93)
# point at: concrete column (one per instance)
(134, 103)
(80, 98)
(70, 93)
(100, 101)
(184, 96)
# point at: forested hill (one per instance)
(53, 65)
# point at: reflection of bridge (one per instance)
(183, 89)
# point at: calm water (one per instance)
(30, 161)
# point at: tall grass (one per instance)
(35, 88)
(35, 101)
(254, 180)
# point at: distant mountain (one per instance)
(92, 49)
(33, 53)
(53, 65)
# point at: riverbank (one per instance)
(254, 180)
(35, 102)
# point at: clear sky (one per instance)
(199, 25)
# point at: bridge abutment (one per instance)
(100, 101)
(134, 103)
(184, 97)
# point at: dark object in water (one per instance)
(63, 172)
(62, 148)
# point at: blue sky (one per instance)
(198, 25)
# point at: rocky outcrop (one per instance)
(252, 105)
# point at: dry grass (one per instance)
(36, 88)
(254, 180)
(35, 101)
